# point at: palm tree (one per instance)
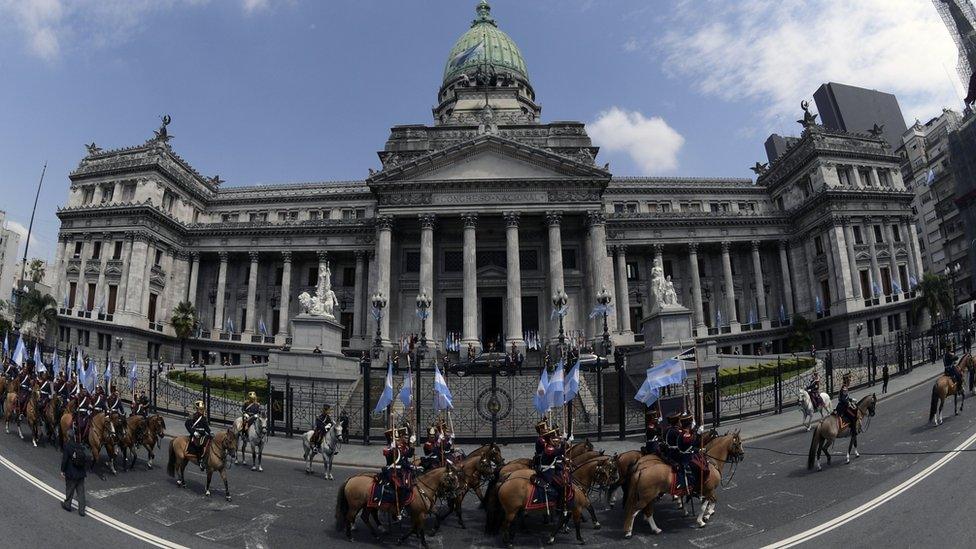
(184, 321)
(35, 270)
(39, 310)
(935, 295)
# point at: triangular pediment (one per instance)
(489, 157)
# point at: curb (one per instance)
(361, 465)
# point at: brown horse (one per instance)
(10, 412)
(33, 414)
(597, 473)
(102, 434)
(508, 500)
(829, 429)
(50, 417)
(578, 448)
(223, 443)
(440, 482)
(145, 432)
(653, 478)
(945, 386)
(474, 471)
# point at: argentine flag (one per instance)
(56, 364)
(386, 397)
(39, 366)
(557, 386)
(571, 387)
(647, 394)
(91, 376)
(133, 376)
(782, 313)
(818, 304)
(20, 352)
(895, 286)
(262, 328)
(476, 50)
(443, 399)
(6, 344)
(108, 374)
(539, 400)
(406, 392)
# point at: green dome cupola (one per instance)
(484, 44)
(485, 78)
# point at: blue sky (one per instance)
(264, 91)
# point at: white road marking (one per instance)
(140, 535)
(874, 503)
(109, 492)
(254, 532)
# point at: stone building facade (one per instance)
(490, 211)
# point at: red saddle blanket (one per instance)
(546, 495)
(697, 476)
(384, 496)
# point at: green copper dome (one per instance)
(484, 44)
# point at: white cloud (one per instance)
(631, 45)
(777, 52)
(650, 142)
(17, 228)
(50, 26)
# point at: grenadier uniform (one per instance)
(25, 383)
(98, 402)
(10, 370)
(199, 430)
(83, 412)
(46, 390)
(140, 406)
(398, 472)
(949, 363)
(249, 411)
(846, 407)
(672, 437)
(323, 424)
(550, 463)
(652, 434)
(687, 448)
(813, 389)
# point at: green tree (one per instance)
(934, 296)
(39, 312)
(184, 321)
(35, 270)
(801, 337)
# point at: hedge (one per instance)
(732, 376)
(230, 384)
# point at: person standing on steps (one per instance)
(74, 468)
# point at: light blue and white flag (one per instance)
(930, 177)
(895, 286)
(818, 305)
(133, 376)
(38, 359)
(668, 372)
(539, 399)
(782, 313)
(56, 364)
(91, 376)
(477, 50)
(6, 343)
(912, 283)
(79, 362)
(443, 399)
(571, 386)
(406, 392)
(875, 289)
(81, 376)
(601, 310)
(386, 397)
(108, 374)
(557, 386)
(230, 325)
(20, 352)
(718, 318)
(262, 328)
(647, 394)
(558, 312)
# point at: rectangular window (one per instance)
(158, 258)
(896, 233)
(866, 178)
(884, 178)
(411, 261)
(453, 314)
(530, 313)
(313, 276)
(72, 289)
(275, 321)
(78, 246)
(818, 245)
(259, 216)
(348, 213)
(168, 200)
(858, 236)
(885, 281)
(360, 213)
(844, 176)
(117, 252)
(668, 267)
(128, 192)
(113, 294)
(96, 250)
(90, 305)
(865, 278)
(569, 259)
(152, 307)
(632, 272)
(314, 215)
(529, 260)
(878, 234)
(88, 195)
(619, 207)
(454, 261)
(349, 276)
(825, 292)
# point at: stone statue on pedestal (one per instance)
(663, 289)
(322, 303)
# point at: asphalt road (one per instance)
(771, 497)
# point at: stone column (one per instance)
(838, 250)
(602, 267)
(875, 180)
(252, 294)
(513, 270)
(812, 280)
(359, 299)
(426, 271)
(913, 238)
(469, 329)
(696, 291)
(285, 299)
(833, 269)
(122, 300)
(857, 177)
(163, 300)
(729, 287)
(623, 290)
(556, 282)
(852, 260)
(133, 281)
(784, 266)
(81, 300)
(760, 283)
(147, 274)
(101, 289)
(892, 258)
(875, 269)
(221, 289)
(384, 244)
(191, 294)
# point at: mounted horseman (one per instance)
(652, 433)
(813, 389)
(199, 429)
(323, 424)
(397, 475)
(550, 463)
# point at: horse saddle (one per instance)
(544, 494)
(385, 495)
(197, 450)
(689, 479)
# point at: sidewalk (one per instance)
(355, 454)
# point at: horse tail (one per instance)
(490, 487)
(342, 507)
(171, 463)
(814, 446)
(493, 507)
(935, 401)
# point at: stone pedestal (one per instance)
(668, 331)
(309, 332)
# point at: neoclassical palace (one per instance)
(490, 211)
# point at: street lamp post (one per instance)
(379, 303)
(559, 301)
(423, 311)
(604, 298)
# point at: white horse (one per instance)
(806, 406)
(329, 448)
(255, 436)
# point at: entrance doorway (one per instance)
(492, 326)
